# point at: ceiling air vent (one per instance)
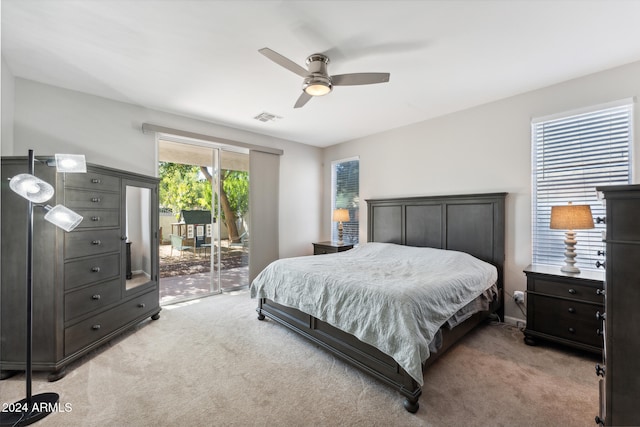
(267, 117)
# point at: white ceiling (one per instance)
(200, 58)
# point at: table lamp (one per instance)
(339, 216)
(571, 217)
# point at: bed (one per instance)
(467, 227)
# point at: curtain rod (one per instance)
(148, 127)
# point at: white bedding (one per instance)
(390, 296)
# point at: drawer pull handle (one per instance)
(572, 310)
(572, 331)
(96, 242)
(600, 370)
(572, 291)
(599, 421)
(96, 297)
(141, 305)
(600, 264)
(96, 327)
(601, 220)
(95, 199)
(600, 292)
(95, 269)
(600, 331)
(601, 316)
(96, 181)
(95, 218)
(123, 237)
(600, 253)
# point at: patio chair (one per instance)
(243, 243)
(179, 243)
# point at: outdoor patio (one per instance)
(187, 274)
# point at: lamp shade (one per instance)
(31, 188)
(571, 217)
(71, 163)
(62, 217)
(341, 215)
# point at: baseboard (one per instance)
(515, 321)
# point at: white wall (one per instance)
(480, 150)
(7, 108)
(51, 119)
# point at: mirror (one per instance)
(139, 236)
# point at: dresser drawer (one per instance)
(85, 271)
(95, 218)
(566, 290)
(93, 242)
(86, 300)
(571, 320)
(92, 180)
(74, 199)
(94, 328)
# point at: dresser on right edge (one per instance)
(620, 371)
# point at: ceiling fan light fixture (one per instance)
(316, 86)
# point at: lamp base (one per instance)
(22, 413)
(570, 269)
(570, 253)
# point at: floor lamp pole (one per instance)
(31, 408)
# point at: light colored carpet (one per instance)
(212, 363)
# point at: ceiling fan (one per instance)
(317, 81)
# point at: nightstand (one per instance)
(563, 307)
(322, 248)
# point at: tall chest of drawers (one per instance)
(81, 295)
(620, 370)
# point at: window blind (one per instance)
(573, 155)
(345, 184)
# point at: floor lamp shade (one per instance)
(31, 188)
(571, 217)
(62, 217)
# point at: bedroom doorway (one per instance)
(204, 234)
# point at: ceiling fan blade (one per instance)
(359, 79)
(284, 62)
(304, 98)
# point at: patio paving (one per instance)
(188, 275)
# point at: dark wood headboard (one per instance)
(472, 223)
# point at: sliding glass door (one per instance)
(203, 222)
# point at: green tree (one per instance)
(189, 187)
(182, 187)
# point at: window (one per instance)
(572, 155)
(345, 188)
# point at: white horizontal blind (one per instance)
(345, 184)
(572, 156)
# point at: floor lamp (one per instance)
(36, 191)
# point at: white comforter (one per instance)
(390, 296)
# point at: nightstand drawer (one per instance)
(566, 319)
(566, 290)
(330, 248)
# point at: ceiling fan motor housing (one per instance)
(318, 82)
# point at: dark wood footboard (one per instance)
(347, 347)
